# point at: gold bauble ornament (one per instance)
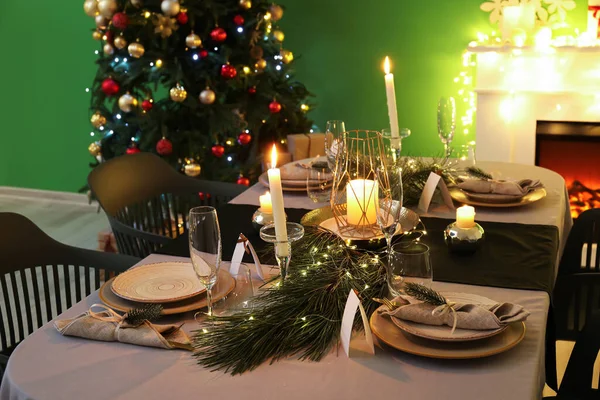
(286, 56)
(178, 93)
(107, 8)
(97, 35)
(278, 35)
(192, 169)
(192, 41)
(95, 149)
(127, 102)
(170, 7)
(136, 3)
(101, 22)
(246, 4)
(261, 64)
(276, 12)
(108, 49)
(207, 96)
(90, 7)
(98, 120)
(136, 50)
(120, 42)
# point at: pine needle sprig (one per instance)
(137, 316)
(478, 173)
(424, 294)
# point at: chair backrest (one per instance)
(40, 277)
(147, 201)
(577, 290)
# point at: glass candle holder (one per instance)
(294, 232)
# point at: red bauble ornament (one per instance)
(203, 195)
(147, 105)
(244, 138)
(120, 20)
(242, 180)
(164, 147)
(110, 37)
(274, 107)
(203, 53)
(218, 150)
(182, 18)
(238, 20)
(252, 90)
(110, 87)
(228, 71)
(133, 150)
(218, 35)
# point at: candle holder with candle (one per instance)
(283, 248)
(464, 235)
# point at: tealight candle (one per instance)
(362, 196)
(465, 217)
(265, 203)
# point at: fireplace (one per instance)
(573, 150)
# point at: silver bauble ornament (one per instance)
(207, 96)
(90, 7)
(127, 102)
(108, 49)
(107, 8)
(120, 42)
(178, 93)
(136, 50)
(170, 7)
(193, 41)
(101, 22)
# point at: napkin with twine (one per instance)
(458, 315)
(108, 326)
(500, 187)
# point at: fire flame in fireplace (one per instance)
(582, 198)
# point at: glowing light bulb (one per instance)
(159, 63)
(195, 57)
(147, 14)
(304, 107)
(240, 29)
(118, 116)
(278, 67)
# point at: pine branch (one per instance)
(424, 294)
(149, 312)
(478, 173)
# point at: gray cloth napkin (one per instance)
(511, 188)
(297, 173)
(103, 326)
(469, 316)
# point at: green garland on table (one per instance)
(416, 170)
(301, 318)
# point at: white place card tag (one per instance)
(352, 304)
(432, 183)
(244, 246)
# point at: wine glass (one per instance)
(333, 141)
(389, 207)
(205, 248)
(409, 262)
(319, 181)
(446, 122)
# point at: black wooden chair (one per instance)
(577, 382)
(147, 201)
(40, 278)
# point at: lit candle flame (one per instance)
(274, 157)
(386, 65)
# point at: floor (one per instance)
(75, 222)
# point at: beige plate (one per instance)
(158, 283)
(388, 333)
(461, 197)
(225, 284)
(444, 333)
(288, 186)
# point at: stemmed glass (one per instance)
(333, 141)
(446, 122)
(389, 207)
(205, 248)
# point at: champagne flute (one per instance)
(318, 181)
(205, 248)
(333, 141)
(389, 209)
(446, 122)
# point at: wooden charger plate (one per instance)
(225, 284)
(385, 330)
(531, 197)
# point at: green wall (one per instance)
(48, 61)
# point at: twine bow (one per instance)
(243, 239)
(107, 315)
(445, 309)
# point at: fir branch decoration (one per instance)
(424, 294)
(478, 173)
(299, 319)
(150, 312)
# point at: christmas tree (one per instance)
(205, 84)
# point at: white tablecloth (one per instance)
(49, 366)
